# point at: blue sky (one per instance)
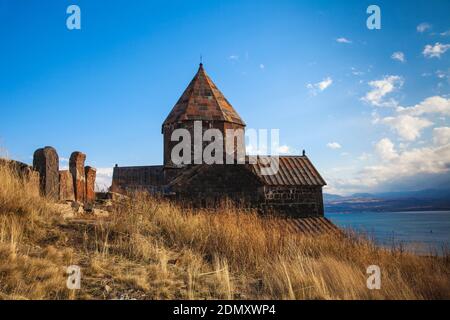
(371, 107)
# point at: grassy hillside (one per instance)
(151, 249)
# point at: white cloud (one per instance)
(233, 57)
(334, 145)
(261, 149)
(381, 88)
(423, 27)
(252, 149)
(436, 50)
(441, 136)
(385, 150)
(261, 66)
(421, 160)
(435, 104)
(356, 72)
(320, 86)
(325, 83)
(440, 74)
(445, 33)
(407, 127)
(284, 149)
(343, 40)
(418, 161)
(417, 168)
(399, 56)
(104, 178)
(409, 164)
(364, 156)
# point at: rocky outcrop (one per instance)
(25, 172)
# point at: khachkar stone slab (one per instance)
(91, 174)
(66, 191)
(76, 167)
(46, 162)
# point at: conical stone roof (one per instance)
(202, 100)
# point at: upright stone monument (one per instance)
(76, 167)
(66, 191)
(46, 162)
(90, 184)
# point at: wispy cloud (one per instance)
(357, 72)
(263, 150)
(319, 86)
(431, 105)
(436, 50)
(364, 156)
(408, 122)
(103, 179)
(233, 57)
(343, 40)
(381, 88)
(284, 149)
(334, 145)
(407, 127)
(441, 74)
(424, 26)
(399, 56)
(262, 66)
(445, 33)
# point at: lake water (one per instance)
(421, 232)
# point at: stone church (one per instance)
(294, 190)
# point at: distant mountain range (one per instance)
(422, 200)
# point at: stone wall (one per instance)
(146, 178)
(189, 125)
(296, 201)
(209, 185)
(217, 183)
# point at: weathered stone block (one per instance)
(76, 167)
(46, 162)
(66, 191)
(90, 184)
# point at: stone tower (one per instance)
(203, 102)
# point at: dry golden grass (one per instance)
(152, 249)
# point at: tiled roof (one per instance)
(292, 171)
(307, 226)
(202, 100)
